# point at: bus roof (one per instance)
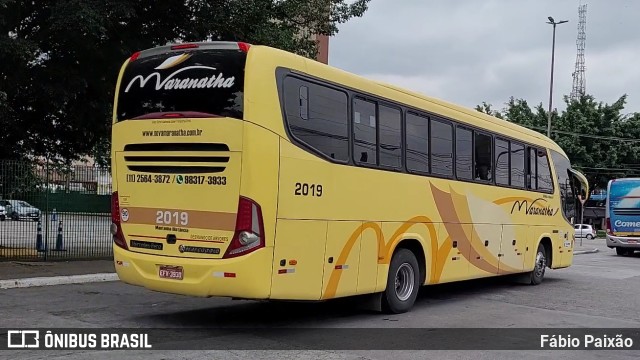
(385, 90)
(629, 179)
(408, 97)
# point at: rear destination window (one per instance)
(204, 81)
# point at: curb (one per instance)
(57, 280)
(580, 252)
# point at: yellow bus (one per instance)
(249, 172)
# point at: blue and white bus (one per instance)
(622, 213)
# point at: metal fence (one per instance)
(54, 212)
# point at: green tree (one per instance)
(488, 109)
(597, 123)
(629, 151)
(60, 59)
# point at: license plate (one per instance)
(632, 241)
(171, 272)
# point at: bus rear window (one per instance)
(201, 81)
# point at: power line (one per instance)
(607, 171)
(602, 137)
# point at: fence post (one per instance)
(46, 206)
(582, 201)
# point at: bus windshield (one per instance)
(624, 205)
(572, 185)
(202, 82)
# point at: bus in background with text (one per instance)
(249, 172)
(622, 215)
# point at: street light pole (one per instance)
(553, 53)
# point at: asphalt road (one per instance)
(82, 234)
(599, 290)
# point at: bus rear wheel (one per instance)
(403, 283)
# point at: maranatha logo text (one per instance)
(530, 209)
(175, 82)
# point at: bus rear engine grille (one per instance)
(169, 160)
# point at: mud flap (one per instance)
(373, 302)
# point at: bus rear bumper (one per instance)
(623, 242)
(247, 277)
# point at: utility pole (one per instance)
(553, 51)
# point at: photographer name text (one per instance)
(585, 342)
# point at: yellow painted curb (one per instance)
(18, 252)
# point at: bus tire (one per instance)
(621, 251)
(403, 283)
(539, 266)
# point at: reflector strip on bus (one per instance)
(286, 271)
(342, 267)
(224, 274)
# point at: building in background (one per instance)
(323, 48)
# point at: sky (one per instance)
(470, 51)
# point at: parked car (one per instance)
(584, 230)
(3, 213)
(19, 209)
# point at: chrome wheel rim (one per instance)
(540, 264)
(405, 279)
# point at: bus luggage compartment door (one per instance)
(298, 252)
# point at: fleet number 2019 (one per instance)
(172, 218)
(304, 189)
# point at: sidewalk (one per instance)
(23, 270)
(589, 246)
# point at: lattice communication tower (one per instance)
(579, 81)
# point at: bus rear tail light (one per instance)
(134, 56)
(116, 228)
(184, 46)
(249, 232)
(244, 47)
(608, 220)
(177, 114)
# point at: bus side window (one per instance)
(464, 153)
(517, 164)
(483, 157)
(317, 117)
(364, 129)
(545, 182)
(417, 143)
(532, 174)
(441, 148)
